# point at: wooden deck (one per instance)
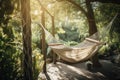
(61, 71)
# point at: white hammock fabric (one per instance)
(73, 54)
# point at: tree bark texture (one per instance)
(27, 49)
(90, 18)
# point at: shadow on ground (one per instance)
(61, 71)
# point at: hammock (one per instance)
(76, 53)
(81, 52)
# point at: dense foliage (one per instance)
(9, 50)
(105, 14)
(9, 57)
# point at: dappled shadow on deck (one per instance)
(61, 71)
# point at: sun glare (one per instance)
(49, 6)
(36, 12)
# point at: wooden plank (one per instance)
(55, 44)
(92, 40)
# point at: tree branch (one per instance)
(44, 8)
(107, 1)
(77, 5)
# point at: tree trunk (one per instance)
(92, 29)
(90, 18)
(53, 33)
(27, 50)
(43, 40)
